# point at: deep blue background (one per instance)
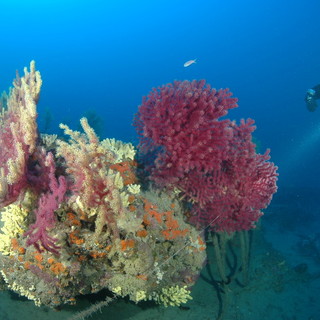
(105, 55)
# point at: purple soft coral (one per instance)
(45, 217)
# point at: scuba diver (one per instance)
(311, 96)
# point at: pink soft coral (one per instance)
(45, 213)
(240, 189)
(180, 123)
(213, 162)
(18, 136)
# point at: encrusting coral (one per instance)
(77, 220)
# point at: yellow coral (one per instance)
(117, 179)
(141, 295)
(121, 150)
(48, 140)
(15, 286)
(117, 290)
(13, 218)
(172, 296)
(134, 188)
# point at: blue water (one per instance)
(104, 56)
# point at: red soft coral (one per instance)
(241, 189)
(212, 161)
(181, 121)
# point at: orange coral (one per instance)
(21, 250)
(201, 243)
(170, 222)
(57, 268)
(172, 226)
(14, 244)
(171, 230)
(131, 198)
(172, 234)
(126, 244)
(96, 254)
(38, 257)
(75, 239)
(142, 277)
(73, 219)
(72, 300)
(146, 220)
(40, 266)
(150, 208)
(82, 258)
(142, 233)
(125, 170)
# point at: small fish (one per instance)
(189, 63)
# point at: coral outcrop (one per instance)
(76, 219)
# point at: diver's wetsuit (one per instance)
(311, 96)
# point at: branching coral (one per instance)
(99, 173)
(45, 213)
(211, 161)
(18, 134)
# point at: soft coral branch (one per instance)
(18, 135)
(212, 161)
(45, 213)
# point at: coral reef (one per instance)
(77, 220)
(78, 216)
